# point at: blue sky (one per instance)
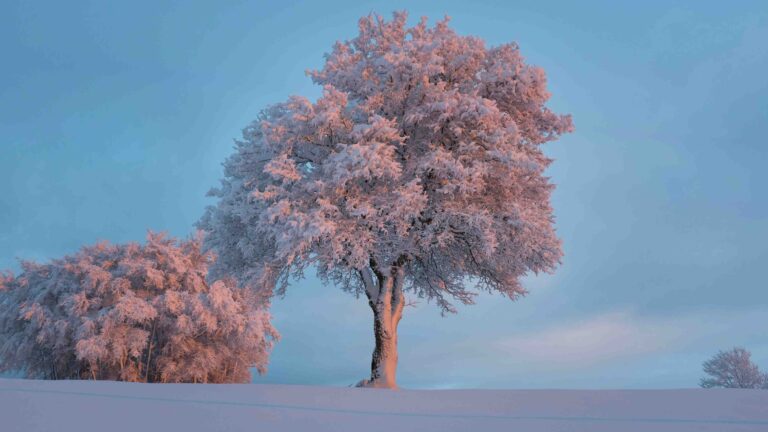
(115, 117)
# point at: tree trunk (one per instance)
(149, 351)
(384, 361)
(386, 301)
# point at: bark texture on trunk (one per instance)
(385, 297)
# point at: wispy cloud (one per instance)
(611, 337)
(598, 339)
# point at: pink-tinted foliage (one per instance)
(419, 169)
(733, 369)
(131, 313)
(423, 153)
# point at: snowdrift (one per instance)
(29, 405)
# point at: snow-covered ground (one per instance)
(28, 405)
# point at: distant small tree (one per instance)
(733, 369)
(131, 313)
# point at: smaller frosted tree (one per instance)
(131, 313)
(733, 369)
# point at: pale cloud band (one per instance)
(609, 337)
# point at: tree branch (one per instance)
(371, 291)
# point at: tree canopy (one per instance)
(424, 153)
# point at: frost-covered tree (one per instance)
(131, 313)
(733, 369)
(419, 169)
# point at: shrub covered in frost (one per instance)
(131, 312)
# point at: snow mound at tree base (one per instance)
(29, 405)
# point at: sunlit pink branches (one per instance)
(424, 148)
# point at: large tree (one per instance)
(419, 169)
